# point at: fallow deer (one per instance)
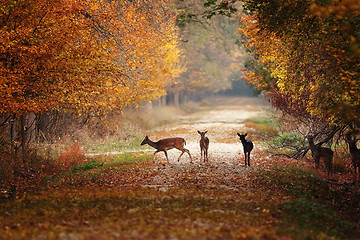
(167, 144)
(355, 156)
(204, 145)
(248, 147)
(319, 152)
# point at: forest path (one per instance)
(222, 122)
(226, 169)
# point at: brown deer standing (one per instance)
(167, 144)
(248, 146)
(204, 145)
(355, 155)
(319, 152)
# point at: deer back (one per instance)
(169, 143)
(317, 151)
(204, 143)
(248, 146)
(247, 143)
(326, 152)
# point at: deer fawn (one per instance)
(355, 155)
(248, 146)
(204, 145)
(167, 144)
(318, 152)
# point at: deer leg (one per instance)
(182, 152)
(154, 156)
(201, 156)
(249, 159)
(206, 154)
(188, 152)
(189, 155)
(166, 156)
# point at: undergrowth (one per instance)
(264, 128)
(317, 209)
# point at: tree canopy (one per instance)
(306, 56)
(209, 45)
(81, 55)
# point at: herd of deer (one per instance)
(326, 154)
(318, 152)
(179, 143)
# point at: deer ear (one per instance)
(238, 134)
(198, 131)
(245, 134)
(205, 132)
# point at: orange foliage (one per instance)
(78, 55)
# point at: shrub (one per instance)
(74, 156)
(291, 144)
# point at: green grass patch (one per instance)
(115, 145)
(263, 128)
(86, 166)
(264, 121)
(127, 159)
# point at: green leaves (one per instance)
(87, 166)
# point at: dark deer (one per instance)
(355, 155)
(204, 145)
(167, 144)
(248, 146)
(319, 152)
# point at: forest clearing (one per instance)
(126, 196)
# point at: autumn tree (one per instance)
(78, 56)
(309, 52)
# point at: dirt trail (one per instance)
(222, 123)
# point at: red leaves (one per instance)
(72, 157)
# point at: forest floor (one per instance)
(274, 198)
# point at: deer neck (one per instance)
(313, 148)
(311, 143)
(152, 144)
